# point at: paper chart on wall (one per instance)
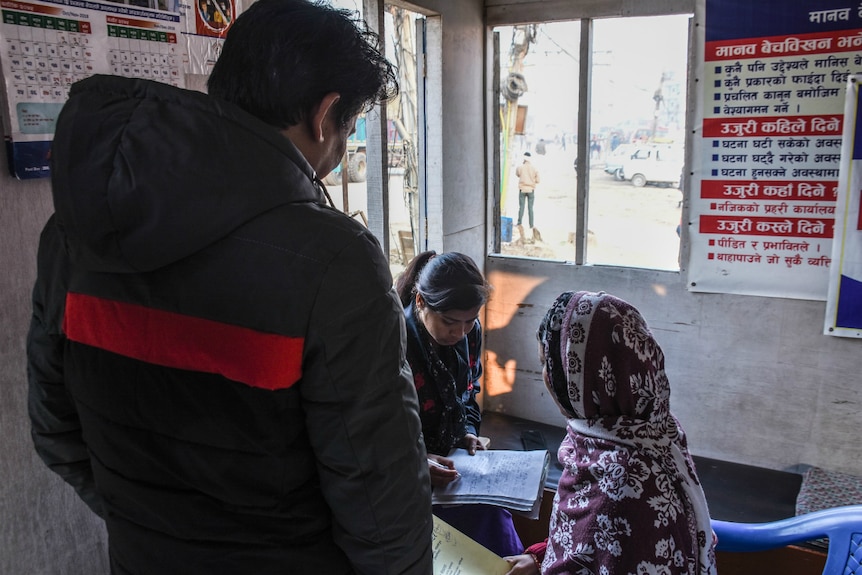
(766, 164)
(47, 46)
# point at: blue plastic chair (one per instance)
(841, 525)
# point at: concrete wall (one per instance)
(456, 153)
(44, 527)
(752, 379)
(463, 129)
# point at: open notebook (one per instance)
(506, 478)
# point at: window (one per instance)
(539, 105)
(348, 184)
(629, 142)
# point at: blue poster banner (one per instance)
(747, 19)
(844, 301)
(29, 160)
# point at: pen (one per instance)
(441, 466)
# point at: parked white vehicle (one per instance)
(614, 161)
(654, 164)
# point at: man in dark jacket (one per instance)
(216, 357)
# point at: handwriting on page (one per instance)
(507, 473)
(457, 554)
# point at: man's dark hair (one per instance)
(282, 56)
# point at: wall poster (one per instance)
(844, 301)
(47, 45)
(206, 24)
(767, 153)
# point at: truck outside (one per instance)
(355, 159)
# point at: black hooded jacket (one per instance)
(216, 358)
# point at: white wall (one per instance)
(752, 379)
(44, 527)
(456, 148)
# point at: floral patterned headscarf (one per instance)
(629, 500)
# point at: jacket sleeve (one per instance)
(54, 424)
(537, 550)
(362, 416)
(471, 407)
(474, 415)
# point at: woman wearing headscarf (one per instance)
(629, 500)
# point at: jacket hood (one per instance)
(145, 174)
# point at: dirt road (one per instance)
(627, 225)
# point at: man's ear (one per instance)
(325, 108)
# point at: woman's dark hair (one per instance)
(449, 281)
(281, 57)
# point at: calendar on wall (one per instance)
(47, 46)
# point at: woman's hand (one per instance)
(471, 443)
(441, 477)
(524, 564)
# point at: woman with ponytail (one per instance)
(442, 295)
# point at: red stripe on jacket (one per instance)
(169, 339)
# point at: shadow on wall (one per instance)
(501, 372)
(513, 295)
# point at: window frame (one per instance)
(501, 13)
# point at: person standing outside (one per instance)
(528, 179)
(216, 357)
